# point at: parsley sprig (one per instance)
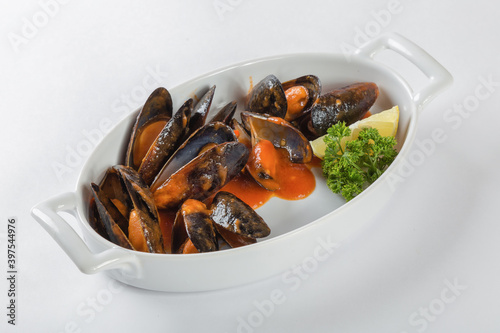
(351, 166)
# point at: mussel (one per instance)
(348, 104)
(196, 227)
(200, 111)
(193, 224)
(268, 97)
(166, 143)
(202, 176)
(301, 93)
(267, 134)
(153, 116)
(235, 216)
(127, 211)
(280, 133)
(241, 133)
(205, 137)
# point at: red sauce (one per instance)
(316, 162)
(296, 181)
(247, 189)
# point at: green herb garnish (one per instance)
(351, 166)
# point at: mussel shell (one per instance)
(166, 143)
(211, 133)
(107, 213)
(348, 104)
(95, 220)
(268, 97)
(200, 111)
(243, 135)
(281, 133)
(313, 85)
(225, 114)
(114, 212)
(234, 215)
(179, 233)
(233, 239)
(193, 221)
(113, 187)
(138, 191)
(203, 176)
(158, 107)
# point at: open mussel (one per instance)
(196, 227)
(205, 137)
(202, 176)
(267, 134)
(153, 116)
(166, 143)
(127, 211)
(301, 93)
(110, 219)
(348, 104)
(193, 227)
(280, 133)
(289, 100)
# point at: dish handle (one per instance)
(439, 77)
(46, 213)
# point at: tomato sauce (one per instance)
(296, 181)
(247, 189)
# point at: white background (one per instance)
(74, 70)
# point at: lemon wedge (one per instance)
(386, 122)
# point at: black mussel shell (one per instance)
(348, 104)
(158, 107)
(268, 97)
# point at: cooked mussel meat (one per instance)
(301, 93)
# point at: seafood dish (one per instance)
(302, 220)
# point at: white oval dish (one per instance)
(309, 227)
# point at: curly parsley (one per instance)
(351, 166)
